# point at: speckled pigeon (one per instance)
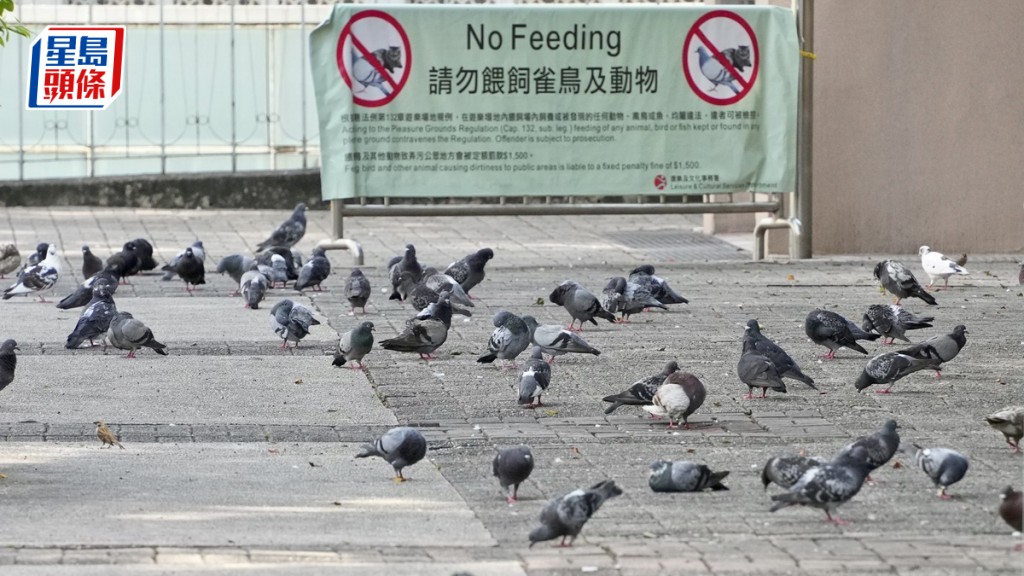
(828, 487)
(644, 275)
(291, 322)
(95, 319)
(424, 335)
(900, 281)
(833, 331)
(235, 265)
(289, 232)
(641, 392)
(892, 321)
(534, 380)
(938, 350)
(512, 466)
(400, 447)
(564, 516)
(787, 470)
(39, 277)
(404, 271)
(684, 476)
(888, 368)
(880, 446)
(469, 271)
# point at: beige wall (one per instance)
(918, 126)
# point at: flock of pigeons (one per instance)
(437, 295)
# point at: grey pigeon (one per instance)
(190, 268)
(315, 271)
(357, 291)
(944, 466)
(758, 371)
(91, 263)
(404, 272)
(892, 321)
(38, 277)
(754, 341)
(638, 297)
(787, 470)
(828, 329)
(127, 260)
(510, 337)
(400, 447)
(828, 487)
(291, 266)
(144, 250)
(613, 296)
(684, 476)
(555, 340)
(235, 265)
(291, 321)
(440, 282)
(900, 281)
(289, 232)
(580, 303)
(422, 296)
(424, 335)
(439, 311)
(276, 271)
(564, 516)
(8, 362)
(95, 319)
(354, 345)
(880, 447)
(110, 276)
(938, 350)
(171, 269)
(127, 333)
(469, 271)
(10, 259)
(644, 275)
(512, 466)
(888, 368)
(641, 392)
(938, 265)
(253, 285)
(1009, 421)
(679, 397)
(534, 380)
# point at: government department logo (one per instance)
(76, 67)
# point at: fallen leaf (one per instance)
(791, 278)
(539, 302)
(2, 476)
(896, 464)
(551, 412)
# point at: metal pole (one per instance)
(302, 84)
(234, 138)
(21, 116)
(271, 77)
(163, 99)
(801, 245)
(90, 121)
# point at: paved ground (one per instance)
(239, 456)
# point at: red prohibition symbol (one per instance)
(374, 57)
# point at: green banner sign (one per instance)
(424, 101)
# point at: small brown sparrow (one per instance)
(106, 436)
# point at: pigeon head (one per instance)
(484, 254)
(129, 247)
(366, 326)
(318, 251)
(85, 249)
(531, 323)
(863, 381)
(617, 284)
(8, 346)
(300, 207)
(356, 272)
(660, 469)
(890, 426)
(188, 253)
(41, 249)
(643, 269)
(1006, 493)
(960, 330)
(670, 368)
(102, 290)
(557, 295)
(121, 316)
(753, 327)
(410, 250)
(98, 423)
(878, 269)
(198, 244)
(502, 317)
(542, 533)
(51, 250)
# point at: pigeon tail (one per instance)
(715, 482)
(796, 374)
(622, 399)
(858, 347)
(604, 314)
(919, 292)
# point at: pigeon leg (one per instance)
(837, 520)
(747, 396)
(938, 373)
(764, 392)
(399, 478)
(551, 361)
(671, 424)
(886, 391)
(363, 307)
(687, 426)
(942, 494)
(897, 301)
(830, 355)
(352, 312)
(284, 344)
(43, 300)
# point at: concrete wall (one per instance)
(918, 126)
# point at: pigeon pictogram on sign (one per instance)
(374, 57)
(721, 58)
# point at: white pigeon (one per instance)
(937, 265)
(39, 277)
